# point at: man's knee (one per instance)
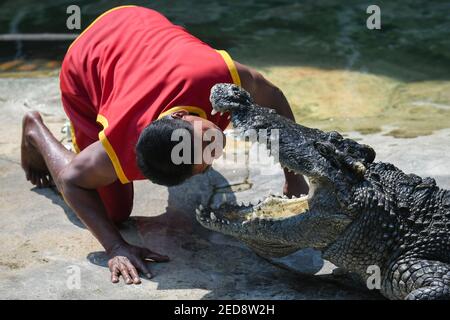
(29, 123)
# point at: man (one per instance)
(127, 82)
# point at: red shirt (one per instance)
(128, 68)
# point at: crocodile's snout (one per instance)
(227, 97)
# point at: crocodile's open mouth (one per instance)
(278, 226)
(273, 208)
(266, 226)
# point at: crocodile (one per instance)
(359, 213)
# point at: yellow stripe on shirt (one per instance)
(231, 67)
(191, 109)
(110, 150)
(74, 138)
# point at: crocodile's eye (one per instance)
(361, 152)
(324, 148)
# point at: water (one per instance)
(336, 73)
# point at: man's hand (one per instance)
(126, 259)
(295, 185)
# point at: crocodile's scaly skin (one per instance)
(402, 225)
(376, 215)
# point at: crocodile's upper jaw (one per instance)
(311, 152)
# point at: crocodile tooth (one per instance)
(200, 207)
(213, 216)
(221, 114)
(213, 112)
(229, 117)
(197, 211)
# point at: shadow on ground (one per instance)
(219, 264)
(53, 195)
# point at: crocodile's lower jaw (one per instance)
(273, 208)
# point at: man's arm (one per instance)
(78, 181)
(266, 94)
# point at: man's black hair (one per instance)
(154, 149)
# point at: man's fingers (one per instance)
(114, 273)
(148, 254)
(124, 268)
(124, 272)
(129, 264)
(133, 273)
(38, 180)
(45, 181)
(33, 178)
(143, 268)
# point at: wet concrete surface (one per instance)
(41, 239)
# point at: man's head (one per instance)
(160, 147)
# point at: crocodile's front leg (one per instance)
(415, 279)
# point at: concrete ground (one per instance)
(42, 241)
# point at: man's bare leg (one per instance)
(42, 155)
(78, 177)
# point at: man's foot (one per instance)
(32, 162)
